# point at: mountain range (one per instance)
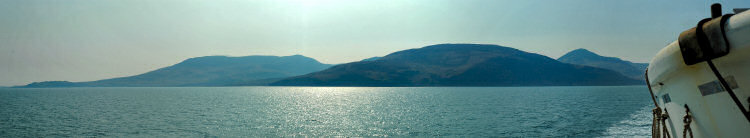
(460, 65)
(435, 65)
(588, 58)
(209, 71)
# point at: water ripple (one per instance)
(326, 112)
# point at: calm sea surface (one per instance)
(622, 111)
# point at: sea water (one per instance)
(602, 111)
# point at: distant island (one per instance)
(435, 65)
(460, 65)
(209, 71)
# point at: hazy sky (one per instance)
(84, 40)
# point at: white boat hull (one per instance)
(714, 113)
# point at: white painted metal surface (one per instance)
(714, 115)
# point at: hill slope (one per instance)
(588, 58)
(210, 71)
(459, 65)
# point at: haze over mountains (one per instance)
(435, 65)
(588, 58)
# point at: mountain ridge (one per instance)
(459, 65)
(208, 71)
(587, 58)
